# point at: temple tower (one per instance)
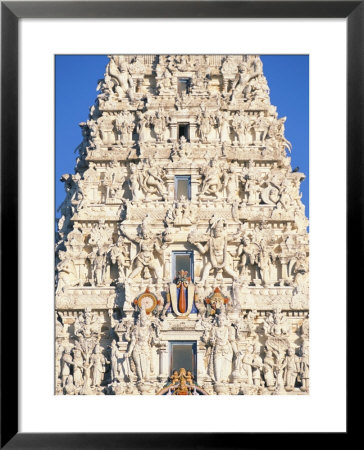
(182, 250)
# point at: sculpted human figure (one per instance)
(223, 123)
(219, 257)
(118, 255)
(268, 370)
(66, 272)
(144, 261)
(232, 181)
(78, 366)
(223, 348)
(69, 387)
(240, 86)
(135, 182)
(98, 265)
(252, 189)
(305, 369)
(143, 122)
(212, 183)
(241, 125)
(257, 364)
(261, 127)
(206, 122)
(67, 362)
(159, 122)
(106, 127)
(265, 265)
(247, 364)
(98, 362)
(114, 354)
(153, 182)
(124, 124)
(141, 340)
(292, 368)
(119, 70)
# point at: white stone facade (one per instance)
(183, 164)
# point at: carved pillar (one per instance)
(201, 369)
(173, 131)
(193, 132)
(163, 360)
(284, 262)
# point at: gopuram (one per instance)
(182, 247)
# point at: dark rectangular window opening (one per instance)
(184, 130)
(182, 260)
(183, 85)
(183, 354)
(182, 186)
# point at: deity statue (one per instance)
(292, 368)
(119, 70)
(124, 125)
(212, 184)
(232, 181)
(249, 256)
(69, 387)
(261, 127)
(135, 182)
(206, 122)
(66, 272)
(78, 366)
(305, 368)
(119, 255)
(240, 86)
(114, 360)
(144, 261)
(143, 122)
(98, 267)
(67, 362)
(98, 362)
(246, 365)
(257, 364)
(268, 370)
(141, 339)
(219, 258)
(223, 125)
(222, 340)
(241, 125)
(159, 122)
(152, 182)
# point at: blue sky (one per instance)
(76, 82)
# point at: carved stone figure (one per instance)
(223, 124)
(145, 262)
(292, 368)
(212, 183)
(152, 182)
(241, 125)
(159, 122)
(241, 86)
(141, 339)
(124, 125)
(268, 370)
(223, 348)
(206, 122)
(119, 255)
(98, 362)
(216, 246)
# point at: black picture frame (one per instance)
(11, 12)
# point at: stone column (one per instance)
(163, 361)
(173, 131)
(193, 129)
